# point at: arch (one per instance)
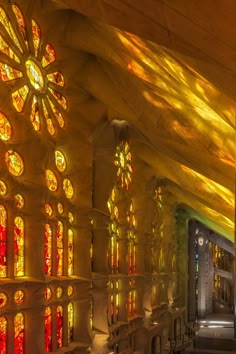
(156, 345)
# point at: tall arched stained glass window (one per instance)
(48, 249)
(19, 337)
(114, 232)
(70, 251)
(70, 322)
(48, 329)
(131, 240)
(18, 246)
(60, 248)
(59, 326)
(3, 242)
(3, 335)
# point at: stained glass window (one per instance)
(19, 200)
(60, 161)
(48, 249)
(60, 208)
(131, 302)
(59, 248)
(59, 98)
(3, 242)
(34, 115)
(49, 56)
(3, 335)
(113, 227)
(123, 161)
(19, 297)
(19, 97)
(18, 246)
(36, 34)
(57, 78)
(34, 75)
(19, 334)
(71, 217)
(3, 300)
(14, 163)
(21, 23)
(5, 128)
(48, 293)
(4, 48)
(3, 188)
(70, 322)
(48, 209)
(59, 292)
(51, 180)
(59, 326)
(68, 188)
(48, 118)
(132, 240)
(7, 73)
(48, 329)
(70, 290)
(70, 251)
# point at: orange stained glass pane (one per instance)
(3, 300)
(70, 312)
(18, 246)
(7, 73)
(48, 209)
(19, 97)
(21, 23)
(8, 27)
(34, 74)
(36, 34)
(3, 242)
(60, 99)
(19, 200)
(59, 326)
(57, 78)
(59, 292)
(48, 329)
(70, 251)
(70, 290)
(5, 128)
(19, 297)
(48, 249)
(60, 246)
(51, 180)
(14, 163)
(60, 208)
(3, 188)
(4, 48)
(60, 161)
(48, 293)
(49, 55)
(34, 116)
(3, 335)
(70, 217)
(50, 126)
(57, 114)
(19, 336)
(68, 188)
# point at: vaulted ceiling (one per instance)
(168, 69)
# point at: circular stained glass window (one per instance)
(48, 209)
(3, 188)
(3, 299)
(59, 292)
(5, 128)
(60, 161)
(19, 297)
(68, 188)
(71, 217)
(70, 290)
(14, 163)
(19, 200)
(34, 75)
(60, 208)
(51, 180)
(48, 293)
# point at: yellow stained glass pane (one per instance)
(48, 293)
(3, 242)
(14, 163)
(70, 290)
(59, 292)
(48, 209)
(57, 114)
(50, 126)
(3, 299)
(123, 159)
(19, 97)
(60, 161)
(19, 334)
(34, 116)
(68, 188)
(51, 180)
(19, 200)
(57, 78)
(60, 99)
(70, 322)
(3, 188)
(36, 34)
(49, 55)
(21, 23)
(60, 208)
(70, 217)
(5, 128)
(7, 50)
(7, 73)
(60, 247)
(19, 297)
(48, 249)
(8, 27)
(34, 75)
(19, 246)
(70, 251)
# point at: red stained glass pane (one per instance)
(49, 55)
(19, 334)
(3, 335)
(48, 249)
(57, 78)
(70, 251)
(48, 330)
(18, 246)
(59, 248)
(59, 326)
(3, 242)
